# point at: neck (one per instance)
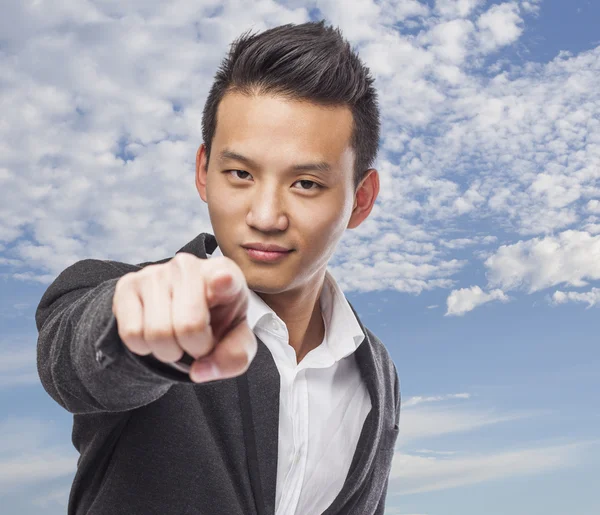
(300, 310)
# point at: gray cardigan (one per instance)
(153, 442)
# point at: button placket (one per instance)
(293, 476)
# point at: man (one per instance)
(295, 409)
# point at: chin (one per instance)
(265, 287)
(258, 284)
(265, 291)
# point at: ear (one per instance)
(201, 171)
(364, 198)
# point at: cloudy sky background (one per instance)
(479, 266)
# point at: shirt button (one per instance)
(100, 357)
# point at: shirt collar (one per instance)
(343, 334)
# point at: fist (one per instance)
(188, 305)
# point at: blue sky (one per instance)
(483, 276)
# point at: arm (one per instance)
(380, 510)
(397, 394)
(82, 363)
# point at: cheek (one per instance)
(320, 225)
(213, 188)
(221, 202)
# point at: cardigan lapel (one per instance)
(263, 384)
(366, 448)
(201, 245)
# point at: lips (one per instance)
(266, 256)
(266, 247)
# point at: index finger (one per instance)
(224, 281)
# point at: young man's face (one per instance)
(270, 202)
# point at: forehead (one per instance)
(269, 126)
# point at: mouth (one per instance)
(266, 255)
(266, 247)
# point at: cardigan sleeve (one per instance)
(397, 394)
(81, 360)
(380, 510)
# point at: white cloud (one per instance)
(456, 8)
(464, 300)
(499, 26)
(572, 257)
(531, 6)
(358, 18)
(17, 358)
(428, 422)
(18, 363)
(32, 467)
(413, 401)
(591, 297)
(431, 451)
(26, 458)
(459, 243)
(400, 11)
(593, 206)
(592, 228)
(413, 474)
(450, 40)
(16, 311)
(58, 496)
(416, 469)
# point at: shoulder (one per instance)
(381, 352)
(389, 370)
(88, 273)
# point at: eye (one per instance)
(318, 186)
(241, 171)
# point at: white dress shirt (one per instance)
(323, 402)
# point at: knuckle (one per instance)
(182, 259)
(178, 258)
(129, 333)
(147, 271)
(238, 358)
(191, 327)
(153, 273)
(124, 283)
(157, 334)
(168, 354)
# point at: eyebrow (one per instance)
(321, 166)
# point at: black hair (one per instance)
(306, 62)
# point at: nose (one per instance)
(267, 211)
